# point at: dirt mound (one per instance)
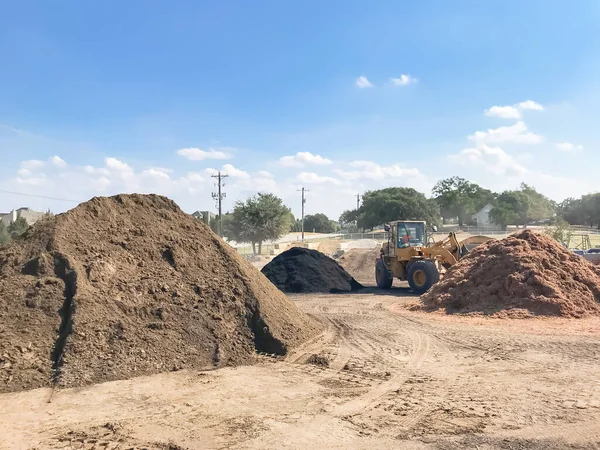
(524, 274)
(131, 285)
(360, 243)
(329, 247)
(360, 263)
(474, 241)
(302, 270)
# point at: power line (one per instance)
(39, 196)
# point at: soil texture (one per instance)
(360, 263)
(131, 285)
(379, 377)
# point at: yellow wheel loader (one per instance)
(410, 255)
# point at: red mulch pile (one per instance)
(526, 274)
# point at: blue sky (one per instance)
(102, 97)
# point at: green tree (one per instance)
(581, 211)
(591, 209)
(540, 207)
(348, 220)
(296, 226)
(214, 223)
(560, 232)
(319, 223)
(521, 207)
(572, 210)
(260, 218)
(459, 198)
(18, 227)
(386, 205)
(4, 234)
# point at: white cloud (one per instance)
(264, 174)
(363, 82)
(229, 170)
(196, 154)
(374, 171)
(194, 177)
(234, 172)
(313, 178)
(302, 159)
(404, 80)
(568, 147)
(516, 133)
(530, 104)
(32, 164)
(117, 165)
(100, 184)
(492, 159)
(514, 111)
(38, 180)
(503, 112)
(156, 173)
(96, 170)
(58, 162)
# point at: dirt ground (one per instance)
(381, 376)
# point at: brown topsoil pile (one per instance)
(329, 247)
(131, 285)
(360, 263)
(522, 275)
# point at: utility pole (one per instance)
(303, 202)
(357, 207)
(219, 196)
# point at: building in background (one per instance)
(204, 216)
(29, 215)
(482, 218)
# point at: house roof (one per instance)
(483, 209)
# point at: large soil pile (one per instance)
(524, 274)
(301, 270)
(360, 263)
(131, 285)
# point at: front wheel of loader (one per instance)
(383, 276)
(422, 275)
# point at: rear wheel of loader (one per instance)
(422, 275)
(383, 276)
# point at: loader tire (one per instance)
(382, 275)
(422, 275)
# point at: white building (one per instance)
(29, 215)
(205, 216)
(482, 218)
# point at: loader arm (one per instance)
(447, 251)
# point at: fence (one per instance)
(380, 236)
(274, 248)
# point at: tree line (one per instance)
(457, 200)
(13, 231)
(264, 217)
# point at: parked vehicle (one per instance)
(592, 255)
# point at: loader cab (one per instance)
(404, 234)
(410, 234)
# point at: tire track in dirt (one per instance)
(377, 340)
(421, 348)
(383, 399)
